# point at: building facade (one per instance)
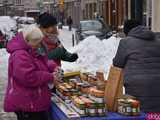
(6, 7)
(31, 8)
(115, 13)
(155, 15)
(17, 7)
(112, 11)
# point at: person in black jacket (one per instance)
(56, 51)
(138, 54)
(69, 22)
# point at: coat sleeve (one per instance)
(67, 56)
(26, 73)
(60, 53)
(121, 56)
(56, 54)
(51, 65)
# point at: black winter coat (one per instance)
(69, 21)
(139, 55)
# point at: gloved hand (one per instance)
(74, 57)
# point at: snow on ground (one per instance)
(65, 37)
(94, 55)
(3, 64)
(3, 73)
(26, 19)
(7, 24)
(3, 82)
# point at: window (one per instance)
(18, 2)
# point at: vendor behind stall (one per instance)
(138, 54)
(56, 51)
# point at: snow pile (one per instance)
(7, 26)
(3, 74)
(26, 18)
(94, 55)
(3, 82)
(3, 64)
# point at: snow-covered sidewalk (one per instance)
(65, 37)
(3, 81)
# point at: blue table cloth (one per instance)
(57, 114)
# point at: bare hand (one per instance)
(58, 75)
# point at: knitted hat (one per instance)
(46, 20)
(129, 25)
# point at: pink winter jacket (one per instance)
(28, 77)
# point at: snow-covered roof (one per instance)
(48, 2)
(26, 18)
(7, 26)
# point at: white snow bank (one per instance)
(26, 18)
(3, 65)
(7, 24)
(94, 55)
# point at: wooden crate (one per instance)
(114, 88)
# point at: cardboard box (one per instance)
(114, 88)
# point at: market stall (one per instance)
(85, 96)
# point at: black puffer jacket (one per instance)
(139, 55)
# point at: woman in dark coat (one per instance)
(138, 54)
(69, 22)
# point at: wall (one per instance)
(155, 15)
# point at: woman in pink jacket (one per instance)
(29, 73)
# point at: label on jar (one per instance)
(128, 109)
(100, 111)
(123, 110)
(120, 109)
(138, 109)
(73, 80)
(134, 110)
(92, 111)
(98, 100)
